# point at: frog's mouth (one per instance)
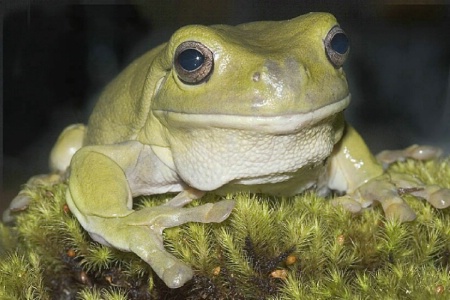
(281, 124)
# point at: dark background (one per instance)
(57, 56)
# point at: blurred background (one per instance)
(58, 57)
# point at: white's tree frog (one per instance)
(255, 107)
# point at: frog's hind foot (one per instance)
(22, 200)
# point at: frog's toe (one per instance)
(7, 217)
(440, 199)
(177, 275)
(435, 195)
(219, 211)
(418, 152)
(206, 213)
(147, 243)
(423, 152)
(399, 211)
(348, 203)
(20, 202)
(387, 157)
(185, 197)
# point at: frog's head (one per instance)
(250, 104)
(244, 76)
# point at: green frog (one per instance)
(255, 107)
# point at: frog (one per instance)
(256, 107)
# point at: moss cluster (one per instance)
(270, 248)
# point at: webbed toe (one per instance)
(440, 199)
(220, 211)
(348, 203)
(177, 275)
(400, 211)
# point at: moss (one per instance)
(270, 248)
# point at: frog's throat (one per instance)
(282, 124)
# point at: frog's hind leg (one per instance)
(69, 141)
(100, 196)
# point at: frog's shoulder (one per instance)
(123, 107)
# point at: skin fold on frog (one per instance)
(255, 107)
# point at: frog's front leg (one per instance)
(353, 169)
(102, 182)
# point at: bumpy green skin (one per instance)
(267, 119)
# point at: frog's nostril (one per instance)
(256, 76)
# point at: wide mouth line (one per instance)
(285, 123)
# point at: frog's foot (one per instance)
(388, 189)
(437, 196)
(378, 190)
(22, 200)
(19, 203)
(141, 232)
(417, 152)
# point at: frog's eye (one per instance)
(337, 46)
(194, 62)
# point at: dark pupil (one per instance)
(339, 43)
(190, 59)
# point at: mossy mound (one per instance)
(270, 248)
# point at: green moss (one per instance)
(21, 277)
(270, 248)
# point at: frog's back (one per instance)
(123, 107)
